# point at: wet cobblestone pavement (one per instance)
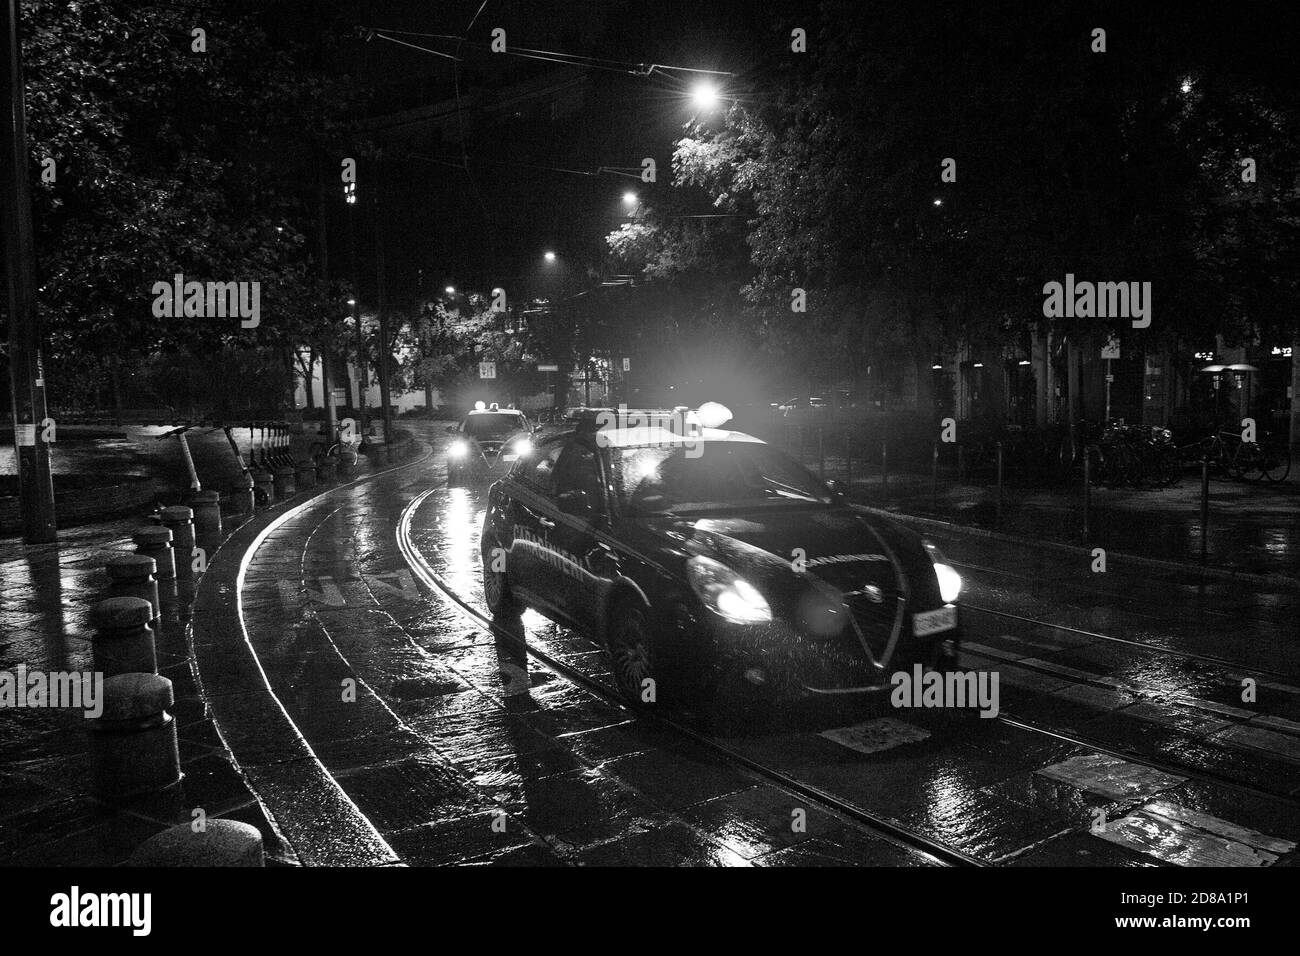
(344, 689)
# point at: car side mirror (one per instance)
(575, 502)
(452, 429)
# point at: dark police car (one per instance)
(712, 565)
(488, 441)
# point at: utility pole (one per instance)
(327, 343)
(362, 374)
(26, 374)
(385, 357)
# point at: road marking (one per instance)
(1213, 824)
(1183, 838)
(874, 736)
(1111, 777)
(1257, 738)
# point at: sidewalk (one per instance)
(1253, 528)
(48, 815)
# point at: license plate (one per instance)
(932, 622)
(509, 457)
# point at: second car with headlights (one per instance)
(711, 564)
(486, 443)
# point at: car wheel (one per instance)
(496, 588)
(630, 646)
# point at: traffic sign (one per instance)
(487, 369)
(627, 365)
(1111, 349)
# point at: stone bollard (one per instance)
(156, 542)
(305, 474)
(123, 642)
(131, 575)
(243, 495)
(283, 480)
(180, 520)
(265, 487)
(207, 512)
(325, 467)
(219, 843)
(133, 742)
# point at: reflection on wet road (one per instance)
(458, 748)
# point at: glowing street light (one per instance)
(629, 198)
(550, 256)
(352, 301)
(450, 290)
(704, 95)
(938, 202)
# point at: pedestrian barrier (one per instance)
(218, 843)
(123, 641)
(133, 744)
(179, 519)
(132, 575)
(156, 542)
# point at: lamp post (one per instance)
(26, 374)
(350, 193)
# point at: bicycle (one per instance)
(1267, 459)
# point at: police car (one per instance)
(487, 441)
(711, 565)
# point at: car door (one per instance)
(531, 565)
(582, 506)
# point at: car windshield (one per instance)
(723, 474)
(492, 425)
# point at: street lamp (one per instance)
(450, 290)
(550, 256)
(705, 95)
(629, 198)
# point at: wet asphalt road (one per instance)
(1122, 737)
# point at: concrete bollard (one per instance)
(282, 477)
(156, 542)
(325, 468)
(131, 575)
(243, 495)
(180, 520)
(123, 642)
(207, 512)
(305, 474)
(219, 843)
(264, 487)
(133, 746)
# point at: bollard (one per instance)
(131, 575)
(133, 742)
(325, 467)
(999, 512)
(156, 542)
(282, 478)
(207, 512)
(263, 487)
(243, 495)
(1205, 506)
(1087, 493)
(180, 520)
(123, 642)
(961, 463)
(884, 466)
(219, 843)
(304, 474)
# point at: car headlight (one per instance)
(726, 593)
(458, 449)
(949, 579)
(523, 448)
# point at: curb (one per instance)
(1274, 580)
